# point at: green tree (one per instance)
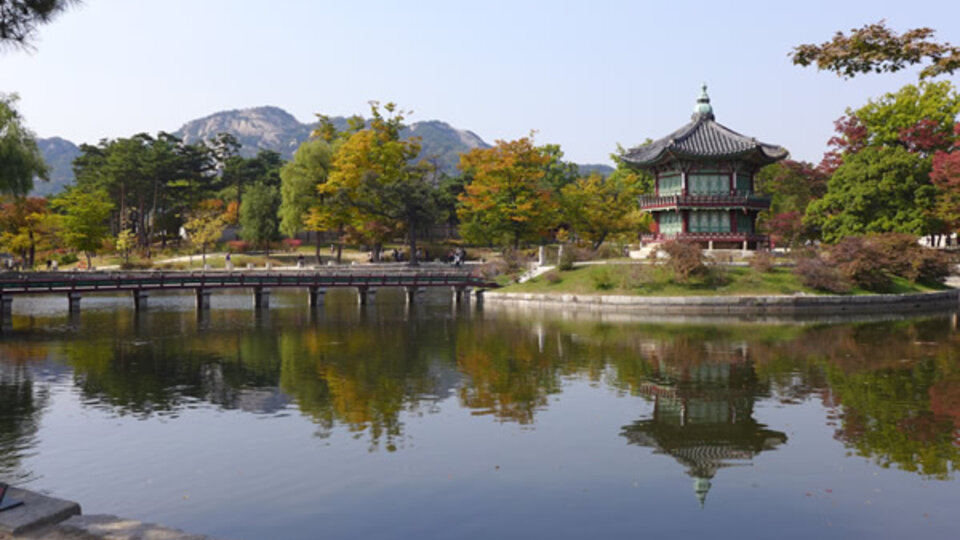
(596, 207)
(874, 48)
(299, 180)
(84, 219)
(258, 215)
(126, 241)
(19, 19)
(506, 202)
(879, 189)
(20, 159)
(205, 225)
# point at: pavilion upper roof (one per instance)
(704, 139)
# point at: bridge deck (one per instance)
(66, 282)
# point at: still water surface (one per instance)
(437, 422)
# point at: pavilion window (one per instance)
(670, 183)
(743, 184)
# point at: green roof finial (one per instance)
(703, 107)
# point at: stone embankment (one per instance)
(47, 518)
(759, 305)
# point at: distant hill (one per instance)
(272, 128)
(59, 155)
(589, 168)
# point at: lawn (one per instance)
(649, 280)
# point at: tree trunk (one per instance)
(599, 241)
(340, 244)
(412, 241)
(317, 254)
(89, 260)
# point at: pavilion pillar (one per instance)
(140, 300)
(317, 296)
(73, 302)
(366, 295)
(203, 299)
(261, 298)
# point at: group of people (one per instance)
(457, 257)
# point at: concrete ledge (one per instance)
(114, 528)
(746, 304)
(36, 512)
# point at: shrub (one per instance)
(136, 265)
(602, 279)
(861, 261)
(762, 261)
(567, 258)
(238, 246)
(552, 277)
(685, 259)
(67, 258)
(904, 256)
(493, 269)
(643, 276)
(515, 260)
(291, 244)
(815, 273)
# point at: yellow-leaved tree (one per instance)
(506, 202)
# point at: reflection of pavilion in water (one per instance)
(703, 418)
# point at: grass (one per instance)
(650, 280)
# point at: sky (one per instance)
(586, 75)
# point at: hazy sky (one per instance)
(586, 75)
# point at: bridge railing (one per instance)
(85, 282)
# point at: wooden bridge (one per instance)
(140, 284)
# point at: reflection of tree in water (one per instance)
(703, 414)
(366, 377)
(163, 376)
(21, 406)
(903, 416)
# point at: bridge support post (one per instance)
(317, 296)
(203, 299)
(413, 293)
(461, 294)
(6, 310)
(478, 294)
(73, 302)
(140, 300)
(366, 295)
(261, 298)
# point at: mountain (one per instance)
(272, 128)
(268, 128)
(59, 155)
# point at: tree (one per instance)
(205, 225)
(596, 207)
(791, 186)
(19, 19)
(258, 215)
(126, 241)
(20, 159)
(877, 49)
(506, 202)
(879, 189)
(299, 180)
(945, 175)
(84, 217)
(26, 227)
(372, 171)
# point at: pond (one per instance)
(435, 421)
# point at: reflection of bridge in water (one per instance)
(75, 284)
(703, 418)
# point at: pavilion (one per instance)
(704, 188)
